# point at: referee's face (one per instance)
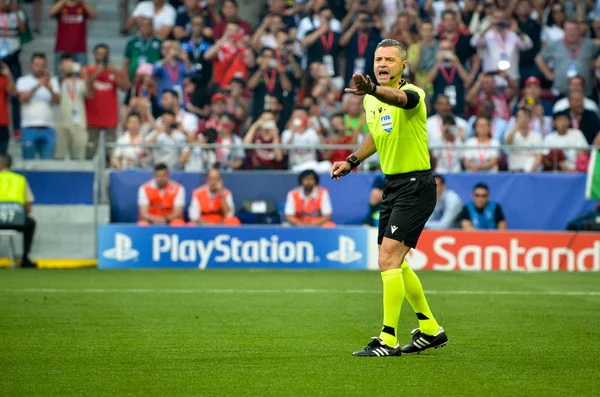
(388, 65)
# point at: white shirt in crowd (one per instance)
(480, 154)
(434, 128)
(448, 158)
(439, 6)
(166, 152)
(143, 198)
(10, 36)
(498, 48)
(542, 128)
(38, 112)
(195, 208)
(165, 17)
(130, 156)
(188, 121)
(200, 159)
(523, 160)
(563, 104)
(573, 138)
(552, 33)
(290, 205)
(299, 156)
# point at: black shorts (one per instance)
(408, 202)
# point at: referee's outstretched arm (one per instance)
(406, 99)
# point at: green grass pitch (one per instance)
(291, 333)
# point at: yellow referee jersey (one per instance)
(400, 135)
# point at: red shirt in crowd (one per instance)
(230, 63)
(71, 35)
(341, 154)
(263, 158)
(102, 109)
(219, 28)
(4, 118)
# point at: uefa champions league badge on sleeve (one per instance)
(386, 122)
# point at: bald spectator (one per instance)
(212, 203)
(161, 200)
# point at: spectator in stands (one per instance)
(498, 126)
(486, 87)
(583, 119)
(555, 158)
(196, 45)
(161, 201)
(229, 11)
(447, 208)
(340, 135)
(309, 204)
(71, 133)
(143, 89)
(7, 90)
(501, 43)
(443, 109)
(186, 122)
(264, 131)
(278, 7)
(71, 32)
(354, 115)
(168, 141)
(482, 17)
(484, 151)
(570, 57)
(360, 42)
(299, 134)
(312, 21)
(532, 97)
(422, 56)
(231, 155)
(449, 77)
(38, 93)
(171, 70)
(237, 103)
(184, 17)
(212, 203)
(403, 30)
(482, 213)
(447, 151)
(317, 121)
(322, 43)
(269, 79)
(197, 159)
(521, 136)
(265, 35)
(554, 28)
(230, 55)
(375, 198)
(16, 189)
(102, 109)
(13, 24)
(576, 83)
(532, 28)
(462, 42)
(160, 12)
(125, 156)
(141, 49)
(539, 122)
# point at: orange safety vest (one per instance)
(211, 207)
(311, 208)
(161, 203)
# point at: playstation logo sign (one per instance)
(122, 250)
(346, 252)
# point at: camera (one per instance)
(272, 63)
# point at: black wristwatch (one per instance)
(353, 161)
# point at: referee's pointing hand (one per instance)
(339, 169)
(363, 85)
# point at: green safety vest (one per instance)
(12, 187)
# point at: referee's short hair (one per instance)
(393, 43)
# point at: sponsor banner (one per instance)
(503, 251)
(124, 246)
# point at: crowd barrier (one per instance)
(355, 248)
(543, 201)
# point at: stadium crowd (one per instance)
(500, 75)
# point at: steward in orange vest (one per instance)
(212, 204)
(309, 204)
(161, 201)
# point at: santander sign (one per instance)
(506, 251)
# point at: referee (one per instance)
(396, 116)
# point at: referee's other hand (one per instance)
(339, 169)
(363, 85)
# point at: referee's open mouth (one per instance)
(383, 74)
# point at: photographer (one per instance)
(197, 159)
(71, 133)
(502, 43)
(448, 158)
(168, 141)
(360, 42)
(449, 77)
(170, 72)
